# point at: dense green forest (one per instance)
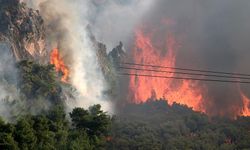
(150, 126)
(51, 128)
(88, 130)
(157, 126)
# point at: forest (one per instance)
(63, 87)
(51, 128)
(159, 126)
(154, 125)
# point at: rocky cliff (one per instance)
(22, 29)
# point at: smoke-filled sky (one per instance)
(213, 34)
(68, 25)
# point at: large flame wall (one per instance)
(144, 88)
(161, 49)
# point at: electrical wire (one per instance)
(186, 69)
(184, 78)
(183, 73)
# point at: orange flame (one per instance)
(59, 64)
(143, 88)
(246, 105)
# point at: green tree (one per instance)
(59, 125)
(38, 81)
(79, 140)
(24, 134)
(6, 136)
(94, 121)
(45, 137)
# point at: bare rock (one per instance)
(23, 30)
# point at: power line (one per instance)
(184, 73)
(183, 78)
(186, 69)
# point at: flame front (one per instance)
(141, 89)
(57, 61)
(246, 105)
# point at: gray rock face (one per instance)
(23, 30)
(109, 64)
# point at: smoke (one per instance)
(13, 102)
(111, 21)
(8, 80)
(67, 28)
(213, 35)
(67, 25)
(115, 20)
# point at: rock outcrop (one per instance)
(109, 63)
(22, 29)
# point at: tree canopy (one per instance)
(53, 130)
(153, 125)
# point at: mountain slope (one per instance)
(22, 29)
(155, 125)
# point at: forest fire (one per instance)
(141, 89)
(57, 61)
(246, 105)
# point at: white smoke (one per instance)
(8, 71)
(86, 75)
(67, 23)
(115, 20)
(110, 21)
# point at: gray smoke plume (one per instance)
(111, 21)
(67, 23)
(67, 28)
(214, 35)
(8, 80)
(115, 20)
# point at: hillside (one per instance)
(63, 87)
(157, 126)
(37, 118)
